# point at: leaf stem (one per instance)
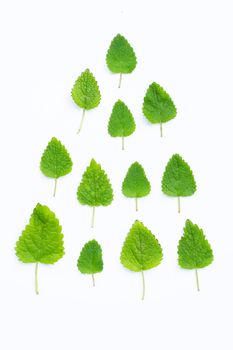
(36, 279)
(120, 80)
(55, 188)
(123, 143)
(178, 204)
(197, 281)
(143, 286)
(93, 217)
(93, 280)
(161, 129)
(82, 119)
(136, 203)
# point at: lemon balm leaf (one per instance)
(158, 106)
(178, 180)
(141, 251)
(95, 189)
(90, 260)
(41, 241)
(121, 122)
(136, 185)
(85, 93)
(121, 57)
(55, 161)
(194, 251)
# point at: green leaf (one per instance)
(55, 161)
(85, 93)
(194, 251)
(121, 57)
(141, 250)
(136, 184)
(90, 260)
(178, 180)
(121, 122)
(158, 106)
(42, 240)
(95, 189)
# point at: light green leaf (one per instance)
(121, 57)
(95, 189)
(85, 93)
(90, 260)
(55, 161)
(141, 250)
(136, 184)
(194, 251)
(158, 106)
(42, 240)
(178, 180)
(121, 122)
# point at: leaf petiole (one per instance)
(197, 281)
(143, 286)
(122, 143)
(36, 279)
(136, 203)
(55, 188)
(93, 217)
(82, 119)
(161, 129)
(178, 204)
(120, 80)
(93, 280)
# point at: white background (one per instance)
(186, 47)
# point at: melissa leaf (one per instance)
(95, 189)
(194, 251)
(55, 161)
(141, 251)
(85, 93)
(158, 106)
(90, 260)
(136, 185)
(121, 122)
(41, 241)
(178, 180)
(121, 57)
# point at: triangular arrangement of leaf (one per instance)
(85, 93)
(55, 161)
(136, 184)
(141, 251)
(178, 180)
(121, 57)
(41, 241)
(121, 122)
(194, 251)
(90, 260)
(95, 189)
(158, 106)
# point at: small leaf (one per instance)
(95, 189)
(90, 260)
(85, 93)
(42, 240)
(141, 250)
(178, 180)
(194, 251)
(121, 122)
(158, 106)
(55, 161)
(136, 184)
(121, 57)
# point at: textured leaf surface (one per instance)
(85, 92)
(194, 250)
(178, 179)
(90, 260)
(55, 161)
(136, 184)
(120, 56)
(141, 250)
(42, 240)
(121, 122)
(158, 106)
(95, 188)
